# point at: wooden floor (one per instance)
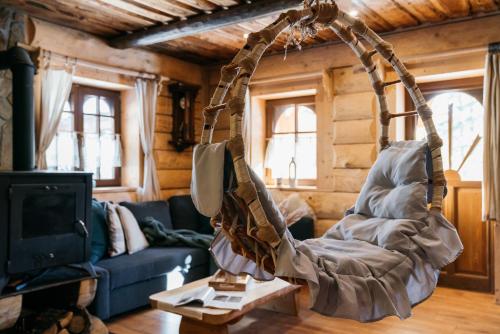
(447, 311)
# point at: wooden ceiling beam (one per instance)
(203, 23)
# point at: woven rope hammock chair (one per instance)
(374, 262)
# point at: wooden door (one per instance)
(473, 270)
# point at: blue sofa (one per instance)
(126, 281)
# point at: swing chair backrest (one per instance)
(234, 82)
(397, 184)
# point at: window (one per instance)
(88, 135)
(458, 116)
(291, 136)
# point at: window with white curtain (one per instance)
(88, 136)
(291, 136)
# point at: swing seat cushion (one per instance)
(396, 186)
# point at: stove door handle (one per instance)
(82, 229)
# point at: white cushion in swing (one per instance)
(207, 181)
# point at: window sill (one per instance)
(296, 188)
(102, 190)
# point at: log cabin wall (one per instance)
(348, 120)
(174, 169)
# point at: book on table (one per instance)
(209, 297)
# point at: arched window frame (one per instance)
(472, 86)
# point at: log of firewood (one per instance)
(64, 331)
(97, 326)
(86, 293)
(77, 324)
(65, 321)
(51, 330)
(81, 322)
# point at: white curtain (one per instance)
(63, 153)
(56, 87)
(147, 92)
(491, 164)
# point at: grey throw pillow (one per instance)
(396, 186)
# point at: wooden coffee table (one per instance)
(277, 295)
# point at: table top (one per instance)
(258, 293)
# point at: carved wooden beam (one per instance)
(203, 23)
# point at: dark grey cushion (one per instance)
(159, 210)
(185, 215)
(303, 229)
(151, 262)
(100, 238)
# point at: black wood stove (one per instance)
(44, 216)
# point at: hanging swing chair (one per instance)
(381, 259)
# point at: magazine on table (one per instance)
(209, 297)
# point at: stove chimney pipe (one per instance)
(23, 115)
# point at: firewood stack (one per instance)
(56, 310)
(55, 321)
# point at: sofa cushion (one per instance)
(100, 242)
(205, 226)
(185, 215)
(158, 210)
(150, 263)
(117, 244)
(134, 238)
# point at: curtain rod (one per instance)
(97, 66)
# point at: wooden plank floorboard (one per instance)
(448, 311)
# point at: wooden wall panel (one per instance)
(167, 193)
(162, 140)
(166, 159)
(323, 225)
(354, 156)
(116, 197)
(349, 180)
(355, 106)
(174, 178)
(164, 104)
(347, 81)
(163, 123)
(354, 132)
(326, 205)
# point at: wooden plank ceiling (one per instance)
(111, 18)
